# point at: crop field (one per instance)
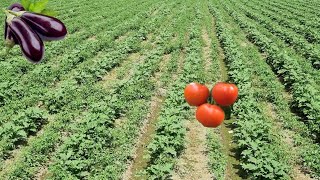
(107, 102)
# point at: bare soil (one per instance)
(148, 128)
(192, 164)
(232, 168)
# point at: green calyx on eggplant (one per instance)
(47, 27)
(30, 43)
(9, 37)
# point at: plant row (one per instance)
(46, 75)
(217, 159)
(114, 102)
(169, 138)
(61, 97)
(54, 48)
(261, 154)
(300, 7)
(287, 20)
(303, 139)
(217, 155)
(297, 41)
(128, 94)
(46, 78)
(306, 98)
(304, 17)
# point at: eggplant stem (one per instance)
(13, 13)
(6, 12)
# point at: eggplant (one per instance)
(16, 7)
(8, 35)
(30, 43)
(47, 27)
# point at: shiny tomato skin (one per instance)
(210, 115)
(225, 94)
(196, 94)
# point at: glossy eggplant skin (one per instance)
(16, 7)
(30, 43)
(8, 35)
(47, 27)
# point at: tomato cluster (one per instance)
(209, 115)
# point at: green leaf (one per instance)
(268, 167)
(38, 6)
(25, 4)
(22, 134)
(49, 12)
(249, 166)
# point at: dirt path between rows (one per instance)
(232, 167)
(193, 163)
(148, 128)
(206, 51)
(112, 76)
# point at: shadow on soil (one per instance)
(235, 152)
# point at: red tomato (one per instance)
(196, 94)
(225, 94)
(210, 115)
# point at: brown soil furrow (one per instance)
(112, 75)
(232, 168)
(232, 172)
(148, 127)
(192, 163)
(206, 50)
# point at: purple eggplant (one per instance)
(8, 35)
(47, 27)
(29, 41)
(16, 7)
